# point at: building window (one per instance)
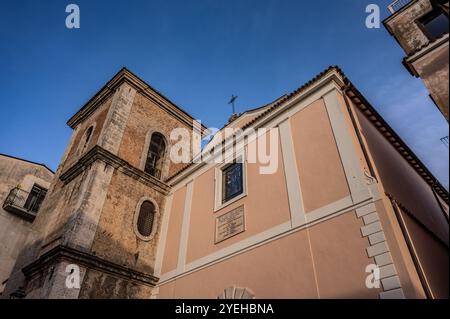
(86, 139)
(155, 156)
(232, 182)
(35, 198)
(434, 24)
(146, 219)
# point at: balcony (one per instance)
(397, 5)
(23, 203)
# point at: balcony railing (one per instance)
(23, 203)
(397, 5)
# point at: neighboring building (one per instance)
(421, 29)
(347, 194)
(23, 185)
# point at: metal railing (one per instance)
(18, 199)
(397, 5)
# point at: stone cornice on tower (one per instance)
(98, 153)
(126, 76)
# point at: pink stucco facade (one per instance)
(308, 226)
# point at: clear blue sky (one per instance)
(198, 53)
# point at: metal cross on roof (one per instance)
(232, 101)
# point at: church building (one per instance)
(343, 208)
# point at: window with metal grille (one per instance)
(155, 156)
(434, 24)
(87, 138)
(146, 218)
(35, 198)
(232, 182)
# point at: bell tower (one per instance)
(97, 232)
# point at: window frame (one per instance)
(227, 197)
(220, 202)
(83, 143)
(155, 219)
(146, 150)
(433, 14)
(32, 203)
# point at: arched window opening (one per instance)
(155, 156)
(146, 219)
(87, 138)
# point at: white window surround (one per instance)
(218, 179)
(165, 165)
(155, 219)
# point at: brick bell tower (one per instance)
(101, 218)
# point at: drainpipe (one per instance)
(439, 202)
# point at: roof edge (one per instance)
(28, 161)
(125, 75)
(396, 141)
(392, 137)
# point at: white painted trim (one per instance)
(324, 211)
(360, 212)
(218, 181)
(393, 294)
(353, 171)
(384, 259)
(185, 228)
(292, 178)
(231, 250)
(163, 237)
(323, 87)
(260, 239)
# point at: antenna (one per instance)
(445, 141)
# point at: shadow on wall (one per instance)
(40, 272)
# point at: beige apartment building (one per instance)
(23, 185)
(421, 29)
(347, 202)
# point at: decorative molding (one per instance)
(163, 236)
(65, 253)
(331, 79)
(234, 292)
(126, 76)
(370, 180)
(262, 238)
(378, 249)
(97, 153)
(346, 148)
(185, 228)
(292, 179)
(397, 143)
(218, 181)
(166, 157)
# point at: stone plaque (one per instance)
(230, 224)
